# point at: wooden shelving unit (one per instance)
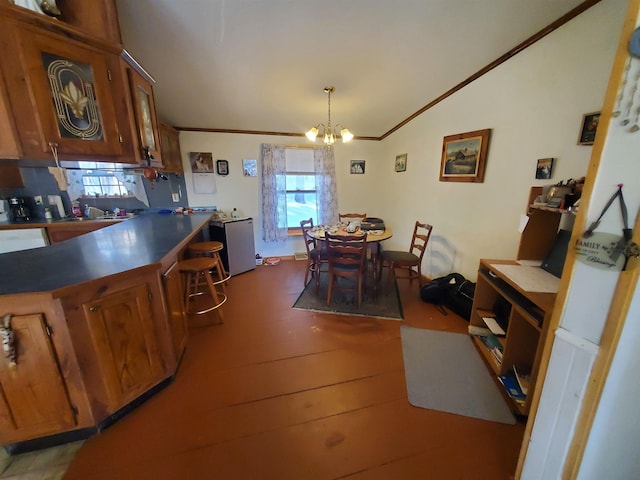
(530, 312)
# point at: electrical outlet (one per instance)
(175, 197)
(38, 199)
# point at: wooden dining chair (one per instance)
(316, 252)
(346, 255)
(408, 260)
(347, 217)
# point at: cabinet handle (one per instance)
(93, 309)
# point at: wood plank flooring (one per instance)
(278, 393)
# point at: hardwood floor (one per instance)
(278, 393)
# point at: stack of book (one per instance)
(494, 346)
(516, 383)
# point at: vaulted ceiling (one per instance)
(261, 65)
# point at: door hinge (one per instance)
(75, 412)
(120, 138)
(49, 329)
(150, 296)
(109, 74)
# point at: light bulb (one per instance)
(346, 135)
(312, 134)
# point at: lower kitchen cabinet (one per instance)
(59, 232)
(124, 341)
(121, 339)
(174, 297)
(33, 396)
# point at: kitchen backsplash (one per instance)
(38, 181)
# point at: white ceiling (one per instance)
(261, 65)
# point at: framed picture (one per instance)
(201, 162)
(357, 166)
(544, 168)
(250, 168)
(589, 126)
(464, 156)
(401, 162)
(222, 167)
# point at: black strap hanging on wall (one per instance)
(624, 246)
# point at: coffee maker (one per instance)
(19, 212)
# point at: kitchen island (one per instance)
(98, 325)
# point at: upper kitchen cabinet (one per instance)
(9, 143)
(170, 148)
(143, 120)
(64, 92)
(97, 18)
(61, 92)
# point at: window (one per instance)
(102, 184)
(301, 187)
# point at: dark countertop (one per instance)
(127, 245)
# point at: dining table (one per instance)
(374, 237)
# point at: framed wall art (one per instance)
(222, 167)
(588, 129)
(544, 168)
(357, 166)
(201, 162)
(249, 168)
(464, 156)
(401, 163)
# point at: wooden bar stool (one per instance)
(198, 284)
(212, 250)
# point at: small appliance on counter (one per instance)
(19, 211)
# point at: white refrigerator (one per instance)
(239, 252)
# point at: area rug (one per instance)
(445, 372)
(381, 302)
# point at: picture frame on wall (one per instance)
(357, 167)
(222, 167)
(464, 156)
(249, 167)
(544, 168)
(401, 163)
(201, 162)
(589, 127)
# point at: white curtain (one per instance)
(274, 190)
(326, 190)
(274, 193)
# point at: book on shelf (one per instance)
(497, 354)
(511, 385)
(491, 342)
(478, 331)
(493, 325)
(523, 376)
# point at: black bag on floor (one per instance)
(453, 291)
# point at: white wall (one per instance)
(355, 192)
(534, 105)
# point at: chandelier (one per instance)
(328, 135)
